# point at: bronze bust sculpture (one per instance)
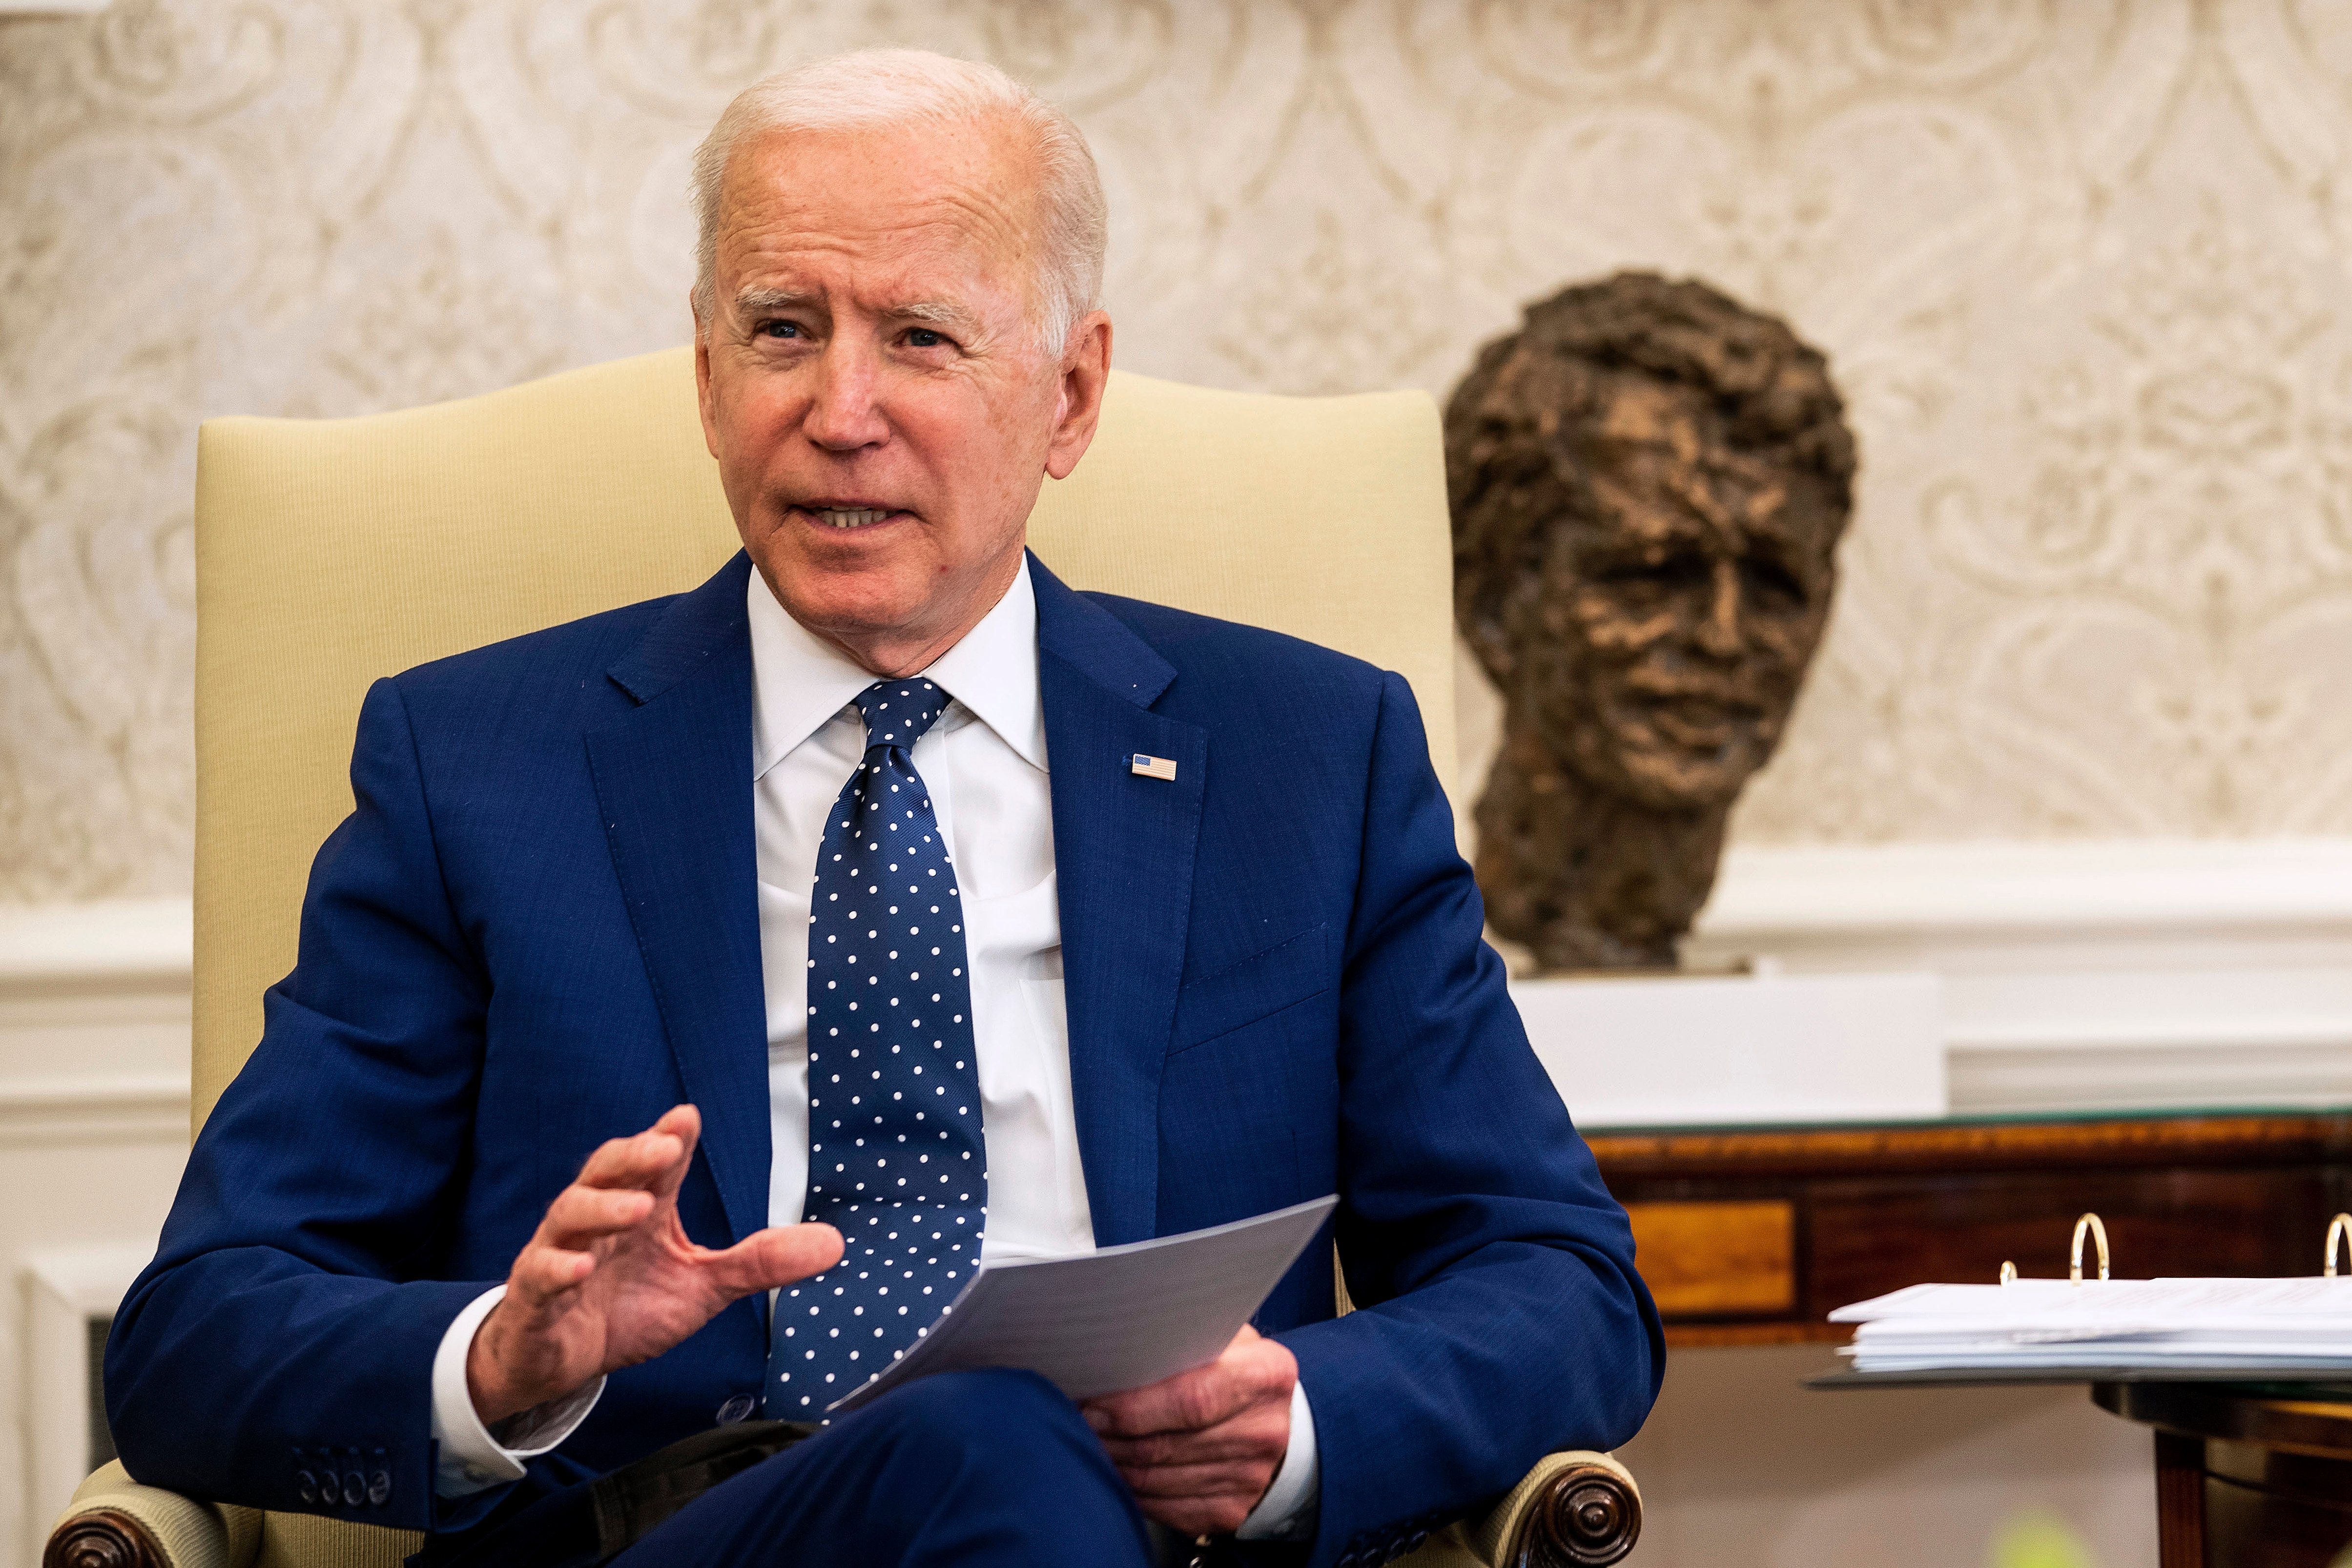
(1648, 482)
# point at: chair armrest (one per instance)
(1574, 1509)
(115, 1522)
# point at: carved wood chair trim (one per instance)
(103, 1538)
(1587, 1517)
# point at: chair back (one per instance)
(329, 552)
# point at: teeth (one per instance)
(850, 517)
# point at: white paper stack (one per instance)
(2290, 1326)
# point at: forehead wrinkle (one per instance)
(970, 219)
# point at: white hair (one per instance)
(898, 87)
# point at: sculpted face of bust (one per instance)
(1690, 598)
(1648, 483)
(882, 379)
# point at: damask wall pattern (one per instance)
(2080, 265)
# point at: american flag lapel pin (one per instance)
(1152, 767)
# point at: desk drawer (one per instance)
(1717, 1259)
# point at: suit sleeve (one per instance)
(278, 1352)
(1500, 1316)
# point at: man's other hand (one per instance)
(609, 1279)
(1200, 1448)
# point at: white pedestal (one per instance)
(1685, 1050)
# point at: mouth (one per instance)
(847, 517)
(1697, 719)
(1701, 711)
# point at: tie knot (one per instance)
(898, 711)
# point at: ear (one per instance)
(702, 395)
(1085, 373)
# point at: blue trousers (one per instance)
(973, 1468)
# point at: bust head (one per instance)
(1648, 484)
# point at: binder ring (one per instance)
(2089, 1222)
(2340, 1226)
(2008, 1272)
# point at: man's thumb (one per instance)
(777, 1256)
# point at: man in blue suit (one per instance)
(1039, 920)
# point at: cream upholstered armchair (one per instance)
(331, 553)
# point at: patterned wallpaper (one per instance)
(2082, 265)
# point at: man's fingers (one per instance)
(1243, 1483)
(581, 1214)
(1185, 1402)
(778, 1256)
(546, 1271)
(654, 1159)
(1196, 1399)
(638, 1162)
(1257, 1435)
(683, 1122)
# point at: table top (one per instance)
(2297, 1417)
(2105, 1140)
(2329, 1388)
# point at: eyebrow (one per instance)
(753, 301)
(939, 313)
(756, 300)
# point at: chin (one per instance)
(871, 600)
(1668, 778)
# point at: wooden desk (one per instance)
(1754, 1236)
(2246, 1477)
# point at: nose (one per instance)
(844, 414)
(1718, 633)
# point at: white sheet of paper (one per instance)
(1112, 1319)
(2298, 1323)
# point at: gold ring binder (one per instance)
(2008, 1272)
(2089, 1222)
(2340, 1226)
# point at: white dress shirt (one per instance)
(984, 762)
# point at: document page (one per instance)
(2292, 1324)
(1112, 1319)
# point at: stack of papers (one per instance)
(2285, 1326)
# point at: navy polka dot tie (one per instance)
(896, 1163)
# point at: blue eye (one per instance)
(924, 338)
(780, 329)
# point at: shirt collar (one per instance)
(800, 681)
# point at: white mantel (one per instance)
(2137, 976)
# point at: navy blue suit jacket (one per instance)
(538, 930)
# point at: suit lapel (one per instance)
(1123, 846)
(674, 779)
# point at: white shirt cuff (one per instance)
(1286, 1511)
(469, 1459)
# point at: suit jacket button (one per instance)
(379, 1488)
(739, 1408)
(306, 1486)
(354, 1487)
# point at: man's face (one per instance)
(1685, 611)
(871, 383)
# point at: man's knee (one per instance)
(1002, 1432)
(991, 1415)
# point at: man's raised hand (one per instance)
(609, 1279)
